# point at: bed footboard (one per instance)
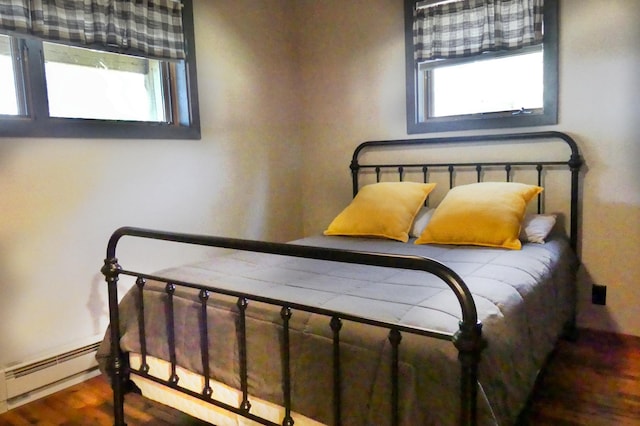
(468, 339)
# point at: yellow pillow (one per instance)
(484, 214)
(383, 210)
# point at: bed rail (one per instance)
(468, 339)
(573, 163)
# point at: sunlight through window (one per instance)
(513, 83)
(8, 95)
(83, 83)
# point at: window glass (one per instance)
(8, 94)
(512, 83)
(84, 83)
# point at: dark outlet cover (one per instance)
(599, 294)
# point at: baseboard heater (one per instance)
(27, 382)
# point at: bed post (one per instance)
(111, 270)
(469, 342)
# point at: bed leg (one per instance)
(469, 342)
(118, 394)
(111, 270)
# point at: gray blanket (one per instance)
(524, 298)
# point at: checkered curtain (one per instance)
(14, 16)
(149, 28)
(470, 27)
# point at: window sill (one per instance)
(93, 129)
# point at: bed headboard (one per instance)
(521, 157)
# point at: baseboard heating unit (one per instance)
(23, 383)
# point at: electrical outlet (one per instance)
(599, 294)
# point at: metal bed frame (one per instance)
(468, 339)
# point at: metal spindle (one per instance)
(285, 314)
(204, 343)
(507, 168)
(140, 282)
(377, 174)
(242, 307)
(539, 169)
(336, 325)
(425, 179)
(479, 172)
(401, 173)
(394, 339)
(171, 289)
(451, 170)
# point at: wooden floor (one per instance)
(89, 403)
(594, 381)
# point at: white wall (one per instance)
(355, 88)
(62, 198)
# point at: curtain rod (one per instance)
(425, 4)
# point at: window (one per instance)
(84, 83)
(497, 88)
(9, 104)
(58, 90)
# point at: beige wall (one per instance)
(61, 199)
(354, 81)
(280, 82)
(600, 86)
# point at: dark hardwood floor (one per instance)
(594, 381)
(90, 403)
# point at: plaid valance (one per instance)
(470, 27)
(149, 28)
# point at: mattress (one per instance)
(524, 299)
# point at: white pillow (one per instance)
(536, 227)
(420, 222)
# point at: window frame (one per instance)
(37, 122)
(549, 114)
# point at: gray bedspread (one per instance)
(524, 298)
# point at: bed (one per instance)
(356, 328)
